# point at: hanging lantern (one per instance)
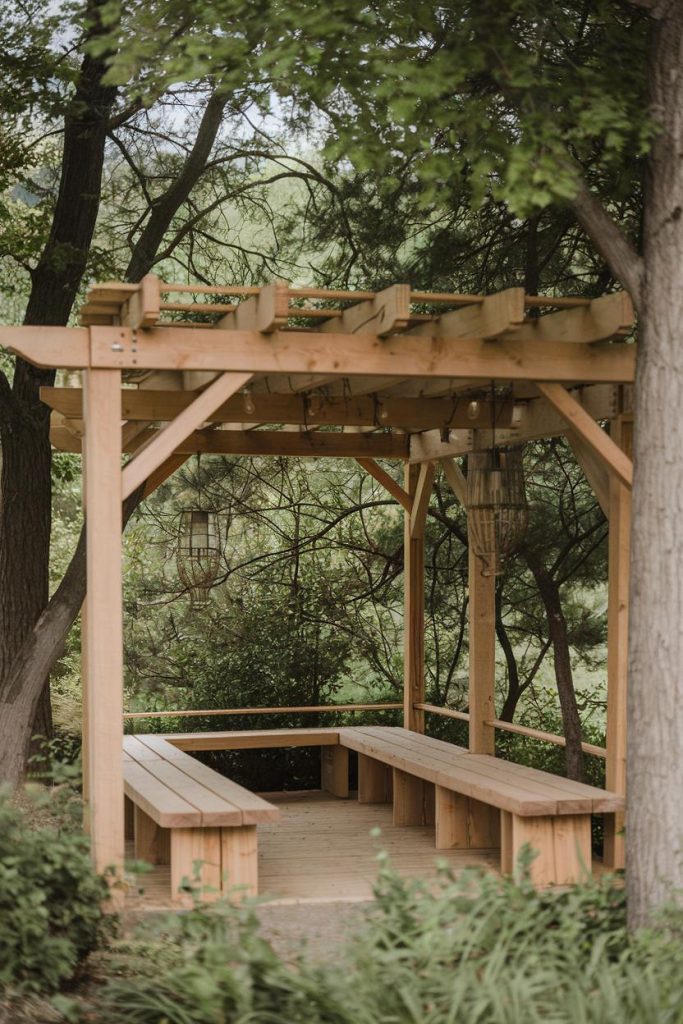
(198, 553)
(497, 510)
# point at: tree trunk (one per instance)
(26, 487)
(557, 631)
(654, 830)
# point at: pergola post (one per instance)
(417, 484)
(103, 648)
(482, 656)
(617, 647)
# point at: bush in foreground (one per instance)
(479, 950)
(50, 898)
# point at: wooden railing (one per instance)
(263, 711)
(520, 730)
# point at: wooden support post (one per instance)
(482, 657)
(334, 770)
(128, 818)
(196, 861)
(104, 619)
(617, 651)
(239, 861)
(413, 800)
(463, 823)
(417, 484)
(152, 842)
(562, 845)
(374, 781)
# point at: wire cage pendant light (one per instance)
(497, 509)
(198, 551)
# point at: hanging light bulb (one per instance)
(249, 406)
(473, 410)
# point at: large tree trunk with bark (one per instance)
(654, 828)
(25, 497)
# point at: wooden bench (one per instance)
(476, 801)
(181, 812)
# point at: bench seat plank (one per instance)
(154, 797)
(261, 739)
(572, 797)
(253, 809)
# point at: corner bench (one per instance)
(479, 801)
(181, 812)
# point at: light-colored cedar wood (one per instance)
(196, 862)
(166, 807)
(413, 602)
(610, 316)
(413, 799)
(614, 459)
(334, 771)
(461, 716)
(593, 467)
(387, 482)
(152, 405)
(128, 818)
(456, 479)
(129, 431)
(562, 847)
(239, 862)
(85, 714)
(151, 457)
(420, 502)
(311, 708)
(617, 659)
(525, 790)
(104, 620)
(374, 781)
(489, 318)
(451, 813)
(482, 656)
(387, 312)
(152, 842)
(507, 863)
(264, 739)
(202, 786)
(574, 797)
(545, 737)
(65, 347)
(142, 307)
(345, 355)
(264, 312)
(532, 420)
(483, 825)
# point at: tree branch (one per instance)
(610, 241)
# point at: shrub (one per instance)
(478, 949)
(50, 897)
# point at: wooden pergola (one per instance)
(395, 374)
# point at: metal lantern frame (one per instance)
(199, 548)
(497, 509)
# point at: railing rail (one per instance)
(520, 730)
(262, 711)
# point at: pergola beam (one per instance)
(600, 443)
(165, 442)
(387, 482)
(346, 355)
(414, 413)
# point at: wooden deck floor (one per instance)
(322, 851)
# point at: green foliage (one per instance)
(475, 949)
(50, 898)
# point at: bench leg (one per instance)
(334, 770)
(128, 818)
(562, 844)
(239, 861)
(413, 800)
(374, 781)
(188, 846)
(152, 842)
(463, 823)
